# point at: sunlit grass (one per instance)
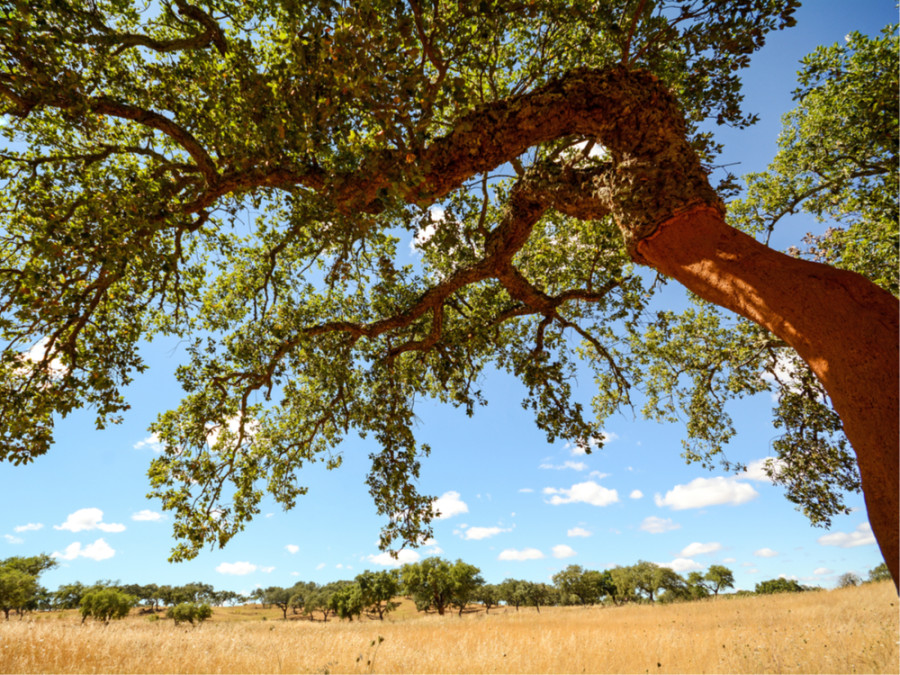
(846, 631)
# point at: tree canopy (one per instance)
(243, 175)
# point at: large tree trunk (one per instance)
(841, 324)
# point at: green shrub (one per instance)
(189, 612)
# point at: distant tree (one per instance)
(166, 595)
(880, 573)
(780, 585)
(571, 581)
(379, 590)
(848, 579)
(33, 565)
(106, 604)
(624, 584)
(347, 601)
(189, 612)
(429, 583)
(68, 596)
(648, 578)
(488, 595)
(719, 577)
(538, 594)
(279, 597)
(512, 592)
(17, 589)
(697, 586)
(465, 581)
(318, 600)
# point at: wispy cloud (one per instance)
(10, 539)
(578, 532)
(656, 525)
(765, 553)
(152, 442)
(861, 536)
(702, 492)
(604, 438)
(568, 464)
(483, 532)
(30, 527)
(146, 515)
(88, 519)
(588, 492)
(524, 554)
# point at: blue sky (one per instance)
(514, 505)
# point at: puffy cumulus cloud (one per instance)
(29, 527)
(484, 532)
(636, 494)
(569, 464)
(152, 442)
(861, 536)
(99, 550)
(698, 549)
(756, 470)
(656, 525)
(237, 568)
(385, 559)
(563, 551)
(448, 505)
(765, 553)
(524, 554)
(702, 492)
(10, 539)
(146, 515)
(88, 519)
(578, 532)
(588, 492)
(292, 548)
(681, 565)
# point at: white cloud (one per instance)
(756, 470)
(152, 441)
(822, 570)
(656, 525)
(292, 548)
(320, 566)
(578, 532)
(636, 494)
(563, 551)
(861, 536)
(404, 556)
(232, 426)
(682, 565)
(729, 560)
(88, 519)
(99, 550)
(524, 554)
(424, 235)
(267, 570)
(698, 549)
(39, 352)
(236, 568)
(30, 527)
(702, 492)
(604, 438)
(526, 490)
(448, 505)
(146, 514)
(10, 539)
(588, 492)
(577, 466)
(765, 553)
(484, 532)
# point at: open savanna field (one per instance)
(853, 630)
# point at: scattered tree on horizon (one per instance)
(106, 604)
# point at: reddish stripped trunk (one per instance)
(841, 324)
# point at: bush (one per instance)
(189, 612)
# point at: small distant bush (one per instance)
(189, 612)
(779, 586)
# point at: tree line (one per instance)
(433, 584)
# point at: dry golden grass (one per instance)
(846, 631)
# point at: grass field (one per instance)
(844, 631)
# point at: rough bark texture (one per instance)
(841, 324)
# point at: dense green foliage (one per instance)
(246, 174)
(189, 612)
(19, 587)
(106, 604)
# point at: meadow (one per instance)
(852, 630)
